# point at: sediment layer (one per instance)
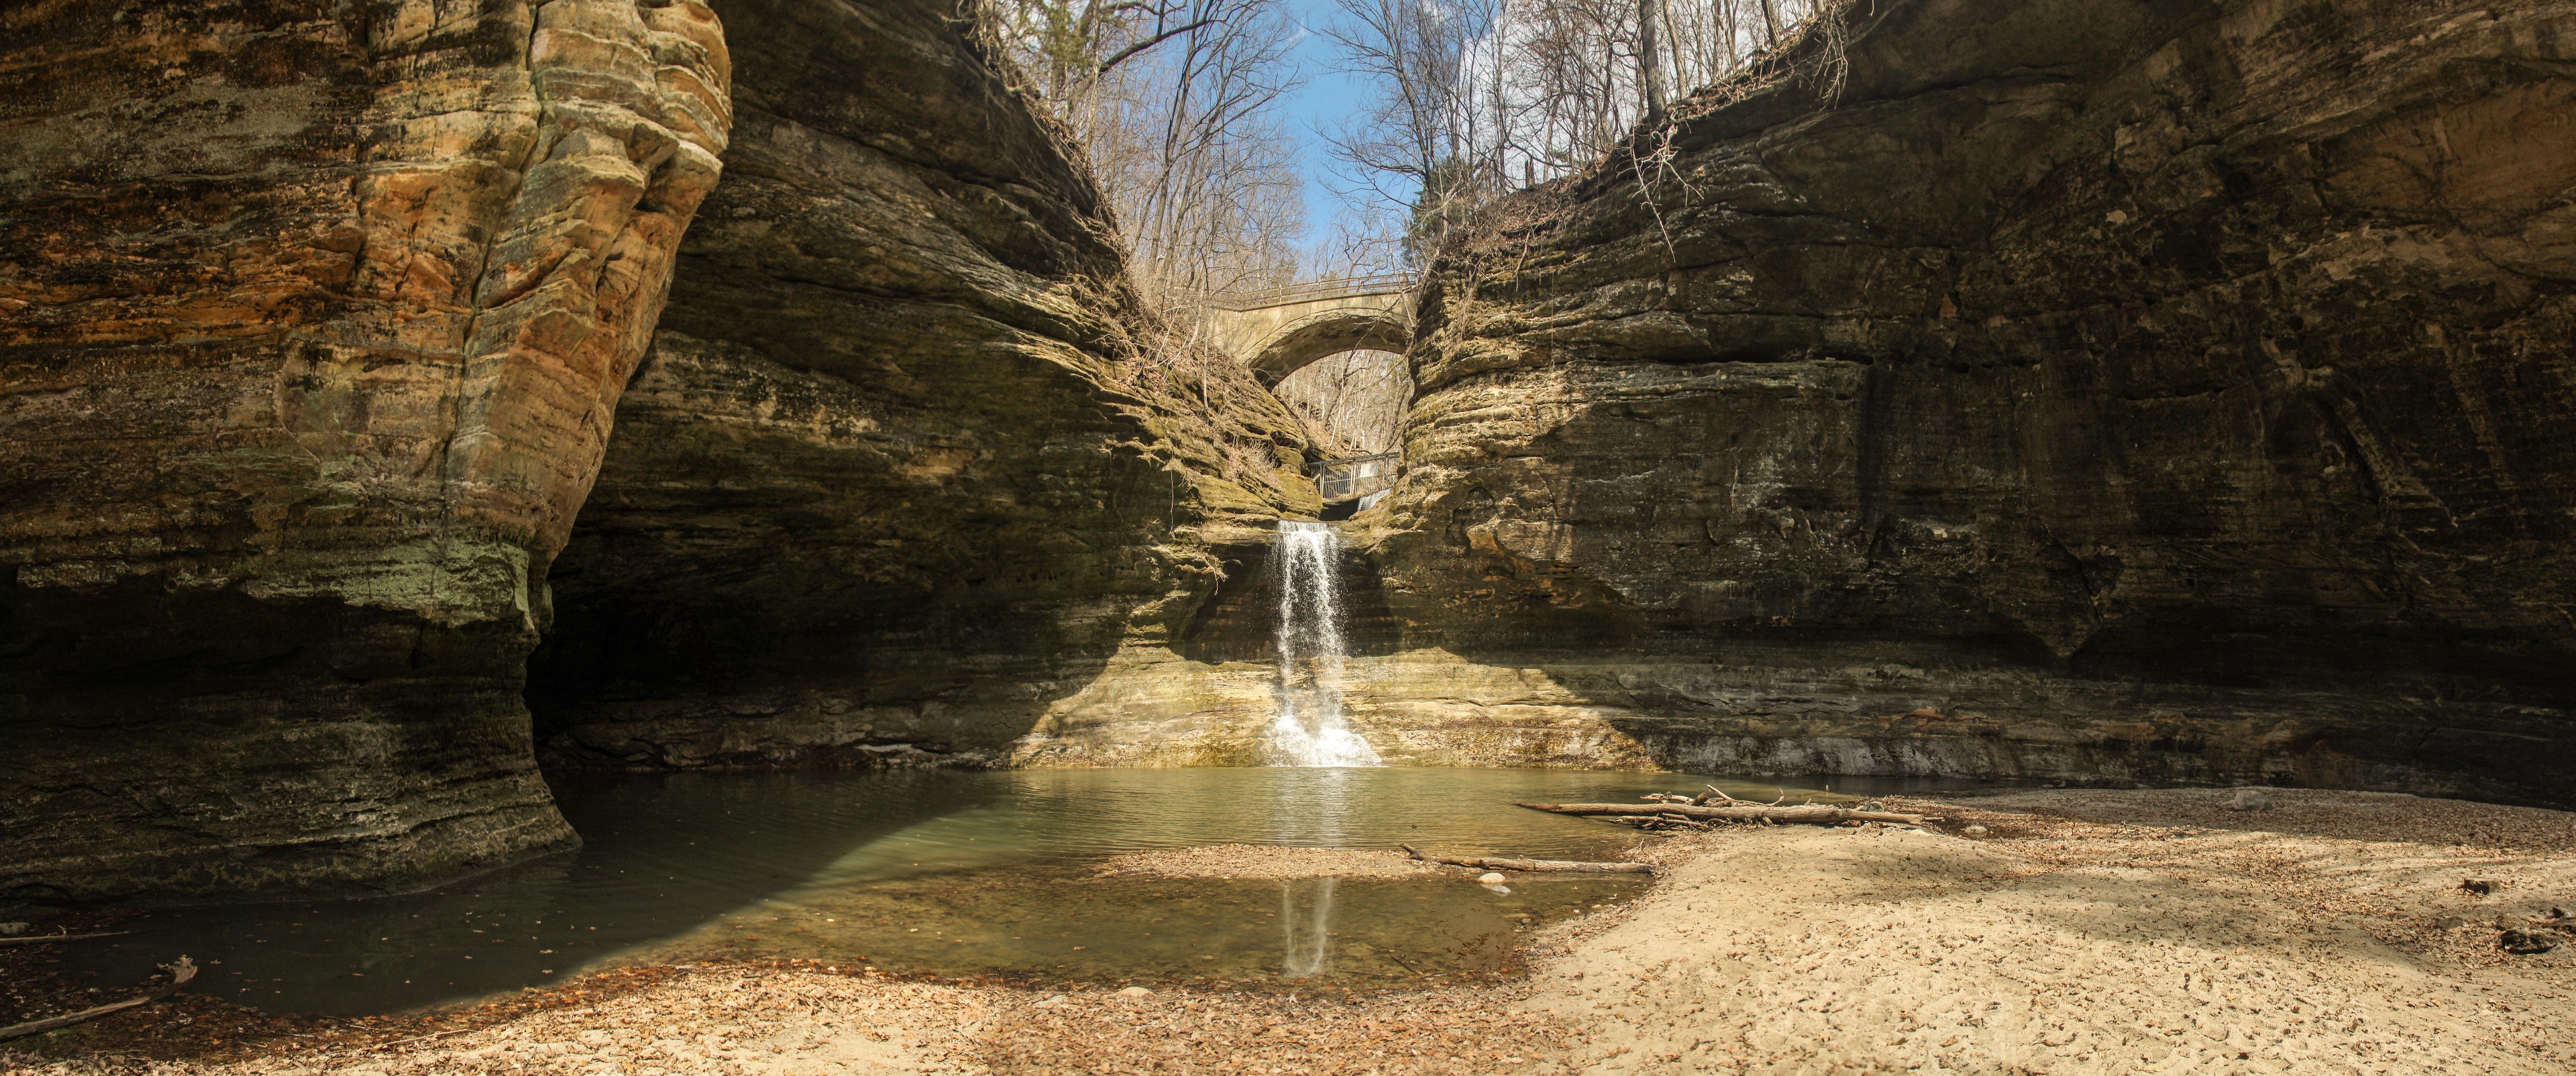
(2170, 392)
(909, 460)
(315, 318)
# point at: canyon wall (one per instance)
(2096, 390)
(315, 316)
(908, 466)
(2026, 388)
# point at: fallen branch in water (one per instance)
(39, 939)
(1804, 814)
(180, 972)
(1492, 864)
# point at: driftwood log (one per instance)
(1492, 864)
(1811, 814)
(1661, 821)
(180, 971)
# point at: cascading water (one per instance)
(1309, 729)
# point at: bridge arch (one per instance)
(1277, 332)
(1290, 347)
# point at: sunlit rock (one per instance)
(315, 321)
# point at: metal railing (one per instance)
(1349, 287)
(1354, 476)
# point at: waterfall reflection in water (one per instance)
(1306, 913)
(1309, 729)
(1319, 811)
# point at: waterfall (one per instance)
(1309, 729)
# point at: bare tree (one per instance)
(1470, 93)
(1175, 102)
(1353, 401)
(1650, 62)
(1420, 148)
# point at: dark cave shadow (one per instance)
(662, 854)
(2303, 813)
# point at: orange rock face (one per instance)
(313, 320)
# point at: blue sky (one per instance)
(1327, 97)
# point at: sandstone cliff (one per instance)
(2036, 388)
(314, 319)
(905, 467)
(2160, 391)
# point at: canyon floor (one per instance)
(2079, 932)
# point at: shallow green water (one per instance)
(986, 873)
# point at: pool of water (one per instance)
(941, 873)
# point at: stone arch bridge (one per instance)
(1279, 331)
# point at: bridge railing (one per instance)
(1354, 475)
(1349, 287)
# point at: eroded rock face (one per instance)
(315, 317)
(2095, 389)
(898, 476)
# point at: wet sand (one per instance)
(2083, 932)
(1262, 861)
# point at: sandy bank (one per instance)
(2090, 932)
(2108, 932)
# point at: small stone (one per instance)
(2526, 942)
(1492, 878)
(2449, 922)
(1975, 831)
(1135, 992)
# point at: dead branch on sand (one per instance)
(1739, 813)
(1493, 864)
(180, 971)
(40, 939)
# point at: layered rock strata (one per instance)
(908, 465)
(315, 317)
(2027, 388)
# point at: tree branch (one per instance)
(1131, 50)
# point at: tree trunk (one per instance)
(1650, 75)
